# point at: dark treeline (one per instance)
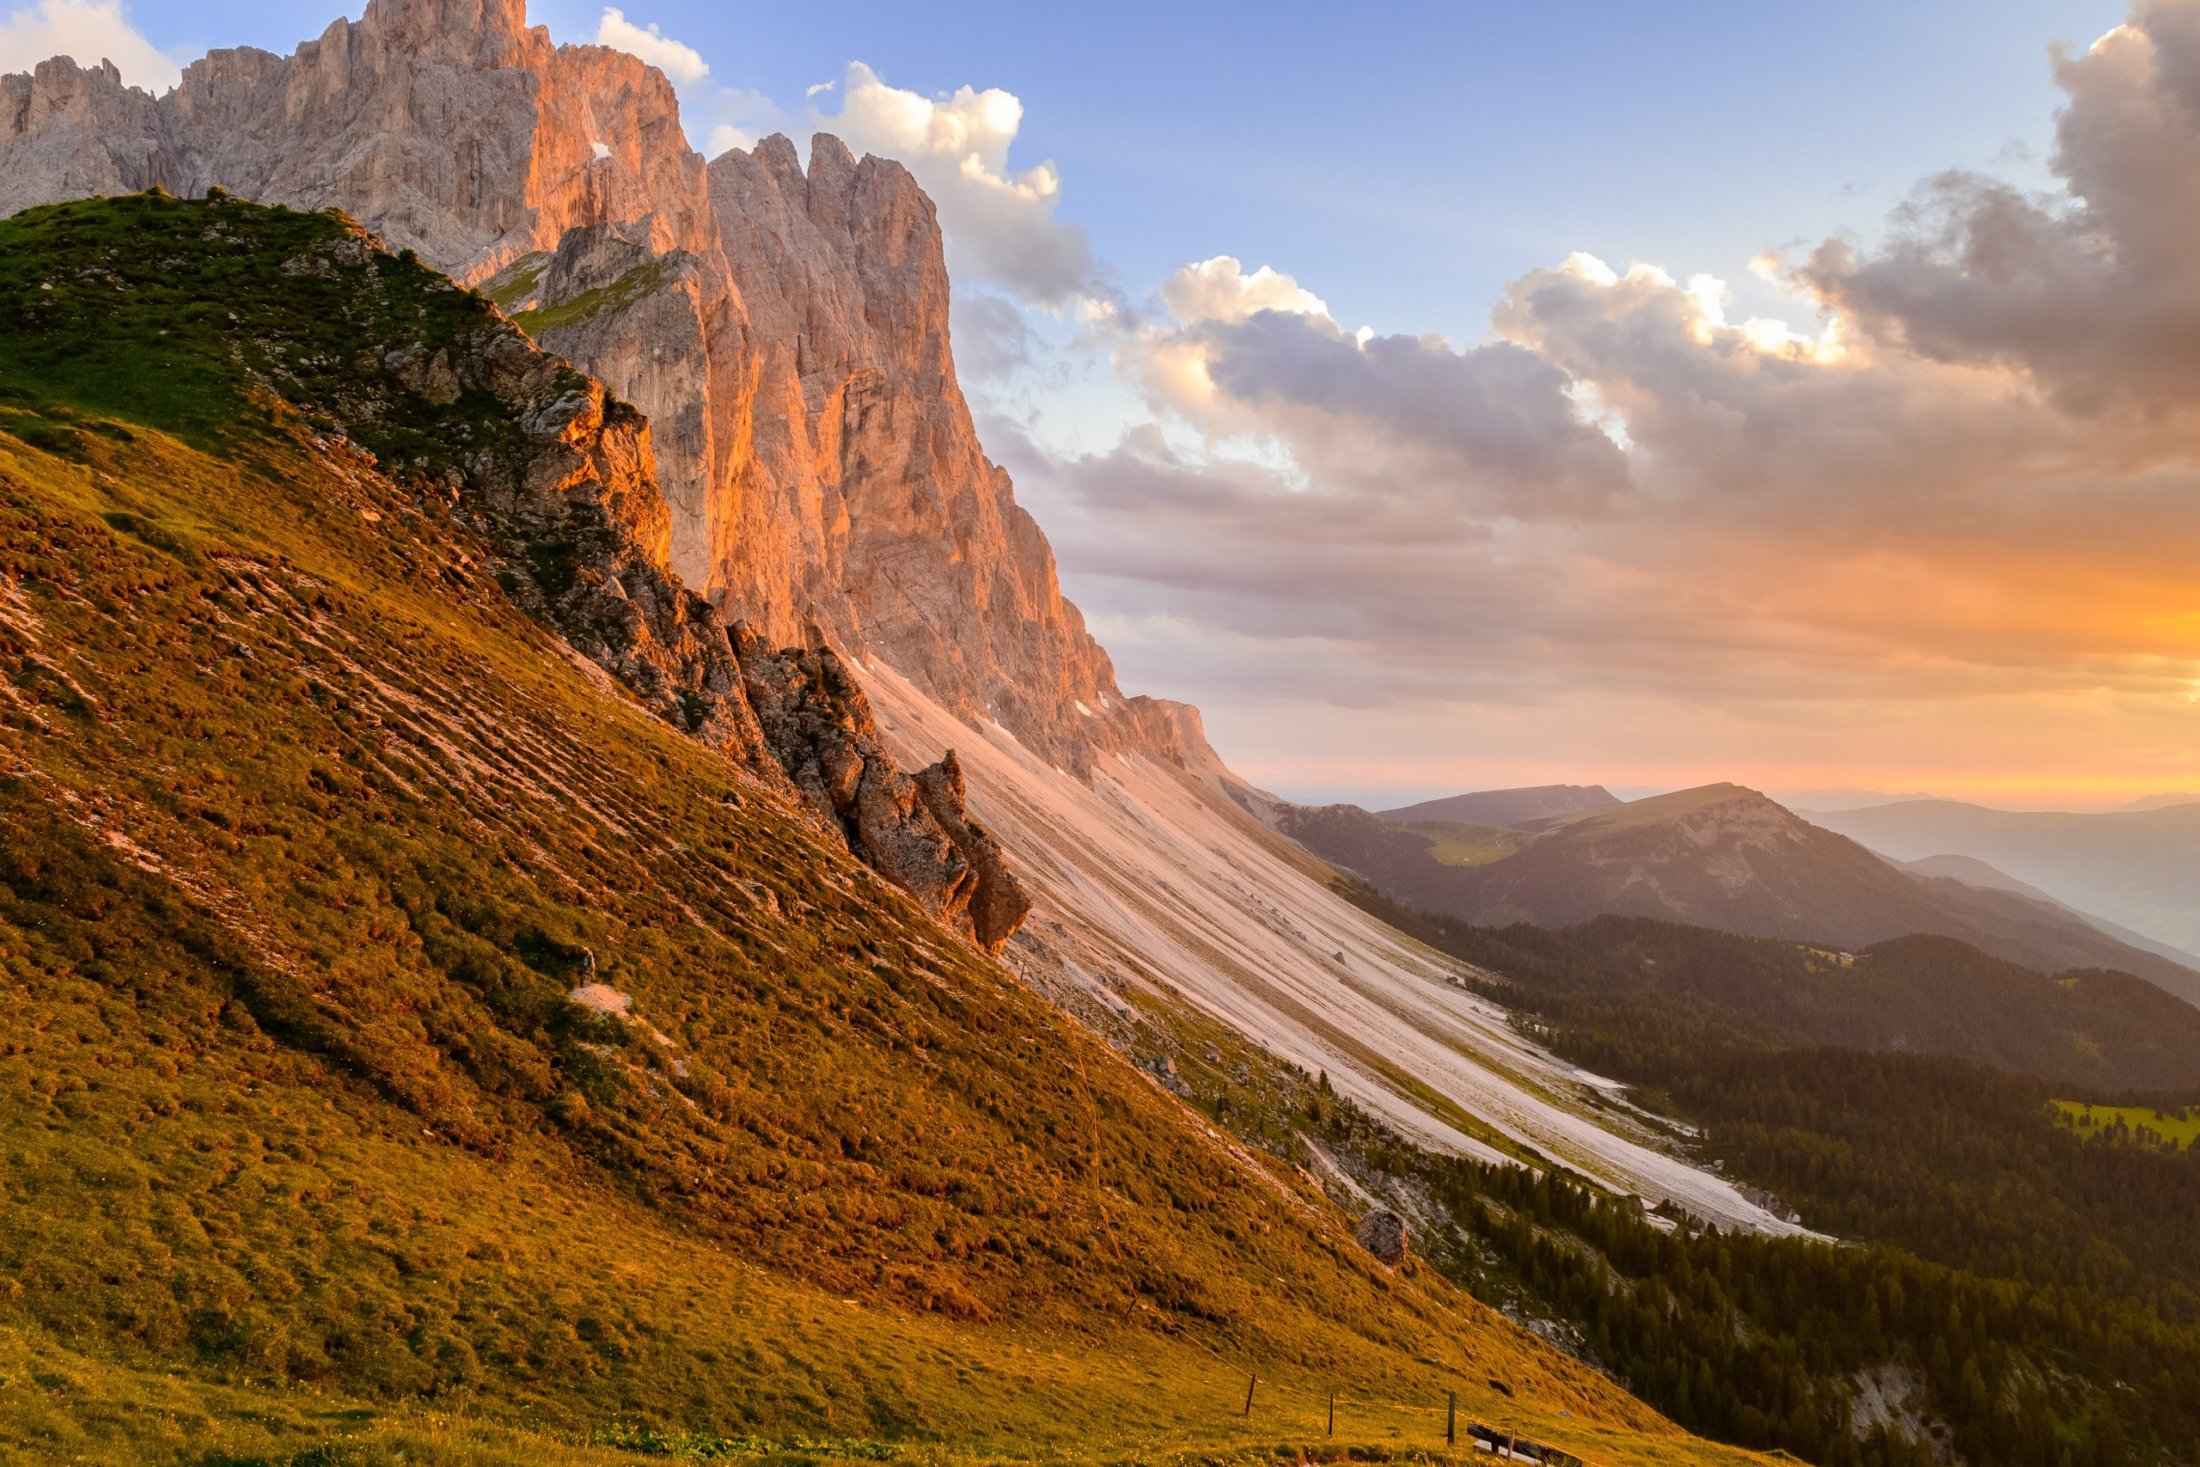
(1763, 1341)
(2039, 1290)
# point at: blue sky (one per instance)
(1406, 160)
(1320, 356)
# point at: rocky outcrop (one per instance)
(559, 472)
(1383, 1234)
(784, 329)
(818, 725)
(999, 903)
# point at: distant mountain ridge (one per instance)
(1973, 872)
(2137, 868)
(2157, 802)
(1511, 806)
(1721, 857)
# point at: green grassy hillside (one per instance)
(311, 837)
(2132, 1125)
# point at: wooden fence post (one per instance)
(1451, 1421)
(1249, 1384)
(1332, 1413)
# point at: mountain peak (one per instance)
(1509, 806)
(829, 153)
(785, 331)
(485, 32)
(1731, 807)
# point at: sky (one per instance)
(1459, 395)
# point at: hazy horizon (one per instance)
(1801, 799)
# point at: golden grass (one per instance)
(309, 1159)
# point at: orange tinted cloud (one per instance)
(1947, 528)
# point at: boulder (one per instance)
(1384, 1234)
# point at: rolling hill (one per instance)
(2102, 1032)
(1509, 807)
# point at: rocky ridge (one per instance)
(560, 476)
(784, 330)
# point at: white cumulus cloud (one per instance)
(1220, 290)
(1000, 223)
(682, 62)
(88, 32)
(717, 118)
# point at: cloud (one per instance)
(87, 31)
(735, 117)
(718, 119)
(992, 338)
(1959, 497)
(2092, 290)
(1000, 224)
(683, 63)
(1459, 433)
(1220, 290)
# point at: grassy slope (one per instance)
(310, 834)
(2175, 1128)
(1461, 843)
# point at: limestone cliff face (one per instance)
(784, 329)
(876, 513)
(666, 329)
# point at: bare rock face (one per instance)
(999, 903)
(885, 522)
(1383, 1233)
(666, 329)
(785, 331)
(71, 132)
(818, 724)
